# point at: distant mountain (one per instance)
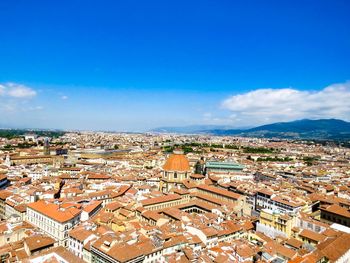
(323, 129)
(191, 129)
(301, 126)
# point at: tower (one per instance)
(46, 146)
(199, 167)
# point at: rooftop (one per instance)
(177, 162)
(224, 165)
(55, 211)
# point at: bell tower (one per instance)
(46, 146)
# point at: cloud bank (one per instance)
(273, 105)
(16, 98)
(16, 91)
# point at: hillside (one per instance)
(322, 129)
(327, 129)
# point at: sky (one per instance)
(136, 65)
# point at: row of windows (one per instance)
(53, 231)
(269, 204)
(218, 196)
(46, 224)
(43, 219)
(49, 221)
(175, 175)
(165, 205)
(335, 219)
(74, 244)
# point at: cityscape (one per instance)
(175, 131)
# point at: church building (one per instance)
(175, 170)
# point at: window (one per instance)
(175, 175)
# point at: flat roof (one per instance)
(228, 165)
(340, 228)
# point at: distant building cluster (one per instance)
(113, 198)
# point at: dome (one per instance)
(177, 162)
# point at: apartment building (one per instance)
(56, 220)
(273, 223)
(220, 196)
(282, 203)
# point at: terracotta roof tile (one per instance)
(177, 162)
(54, 211)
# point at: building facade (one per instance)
(53, 219)
(175, 170)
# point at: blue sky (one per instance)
(135, 65)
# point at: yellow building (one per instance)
(272, 223)
(117, 225)
(35, 159)
(175, 170)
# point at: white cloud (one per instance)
(14, 98)
(2, 90)
(34, 108)
(273, 105)
(16, 91)
(20, 91)
(207, 115)
(64, 97)
(7, 107)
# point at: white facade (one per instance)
(344, 258)
(269, 231)
(57, 230)
(269, 203)
(77, 246)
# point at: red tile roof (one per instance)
(177, 162)
(219, 191)
(54, 211)
(161, 199)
